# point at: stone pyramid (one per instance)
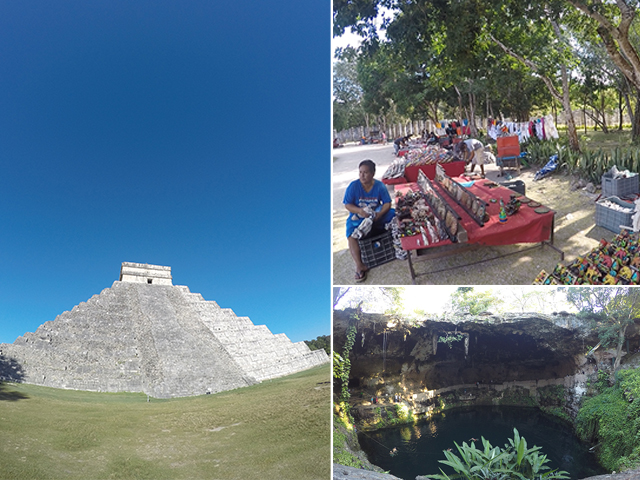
(146, 335)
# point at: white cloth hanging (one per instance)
(550, 127)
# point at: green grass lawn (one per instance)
(279, 429)
(607, 141)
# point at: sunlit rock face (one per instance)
(489, 349)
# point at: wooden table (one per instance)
(525, 226)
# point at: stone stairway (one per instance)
(261, 354)
(159, 339)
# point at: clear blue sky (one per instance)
(193, 134)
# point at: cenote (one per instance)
(420, 445)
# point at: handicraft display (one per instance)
(428, 155)
(610, 263)
(416, 217)
(443, 210)
(471, 204)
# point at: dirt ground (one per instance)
(575, 231)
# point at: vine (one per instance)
(342, 368)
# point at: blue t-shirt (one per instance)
(358, 196)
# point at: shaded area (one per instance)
(11, 371)
(501, 348)
(9, 395)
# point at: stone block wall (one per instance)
(145, 273)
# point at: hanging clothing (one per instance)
(550, 127)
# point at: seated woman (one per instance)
(369, 205)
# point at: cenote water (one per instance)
(420, 446)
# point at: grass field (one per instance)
(279, 429)
(607, 141)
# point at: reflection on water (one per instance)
(420, 446)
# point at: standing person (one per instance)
(397, 143)
(365, 199)
(472, 151)
(400, 142)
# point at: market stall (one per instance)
(422, 159)
(460, 213)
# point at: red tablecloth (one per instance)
(452, 169)
(525, 226)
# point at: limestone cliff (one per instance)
(500, 354)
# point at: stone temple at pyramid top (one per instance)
(145, 273)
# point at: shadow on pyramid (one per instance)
(145, 334)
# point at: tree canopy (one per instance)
(498, 58)
(320, 342)
(612, 310)
(467, 300)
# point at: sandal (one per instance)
(361, 276)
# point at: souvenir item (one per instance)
(473, 205)
(610, 263)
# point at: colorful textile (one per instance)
(427, 155)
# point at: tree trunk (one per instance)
(574, 144)
(621, 333)
(635, 125)
(605, 127)
(460, 108)
(626, 92)
(620, 110)
(563, 97)
(472, 116)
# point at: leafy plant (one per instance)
(514, 461)
(449, 338)
(342, 368)
(611, 419)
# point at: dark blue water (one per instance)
(420, 446)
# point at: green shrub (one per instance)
(590, 163)
(612, 420)
(514, 461)
(552, 395)
(341, 453)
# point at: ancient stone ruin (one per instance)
(145, 334)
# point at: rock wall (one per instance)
(159, 339)
(525, 347)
